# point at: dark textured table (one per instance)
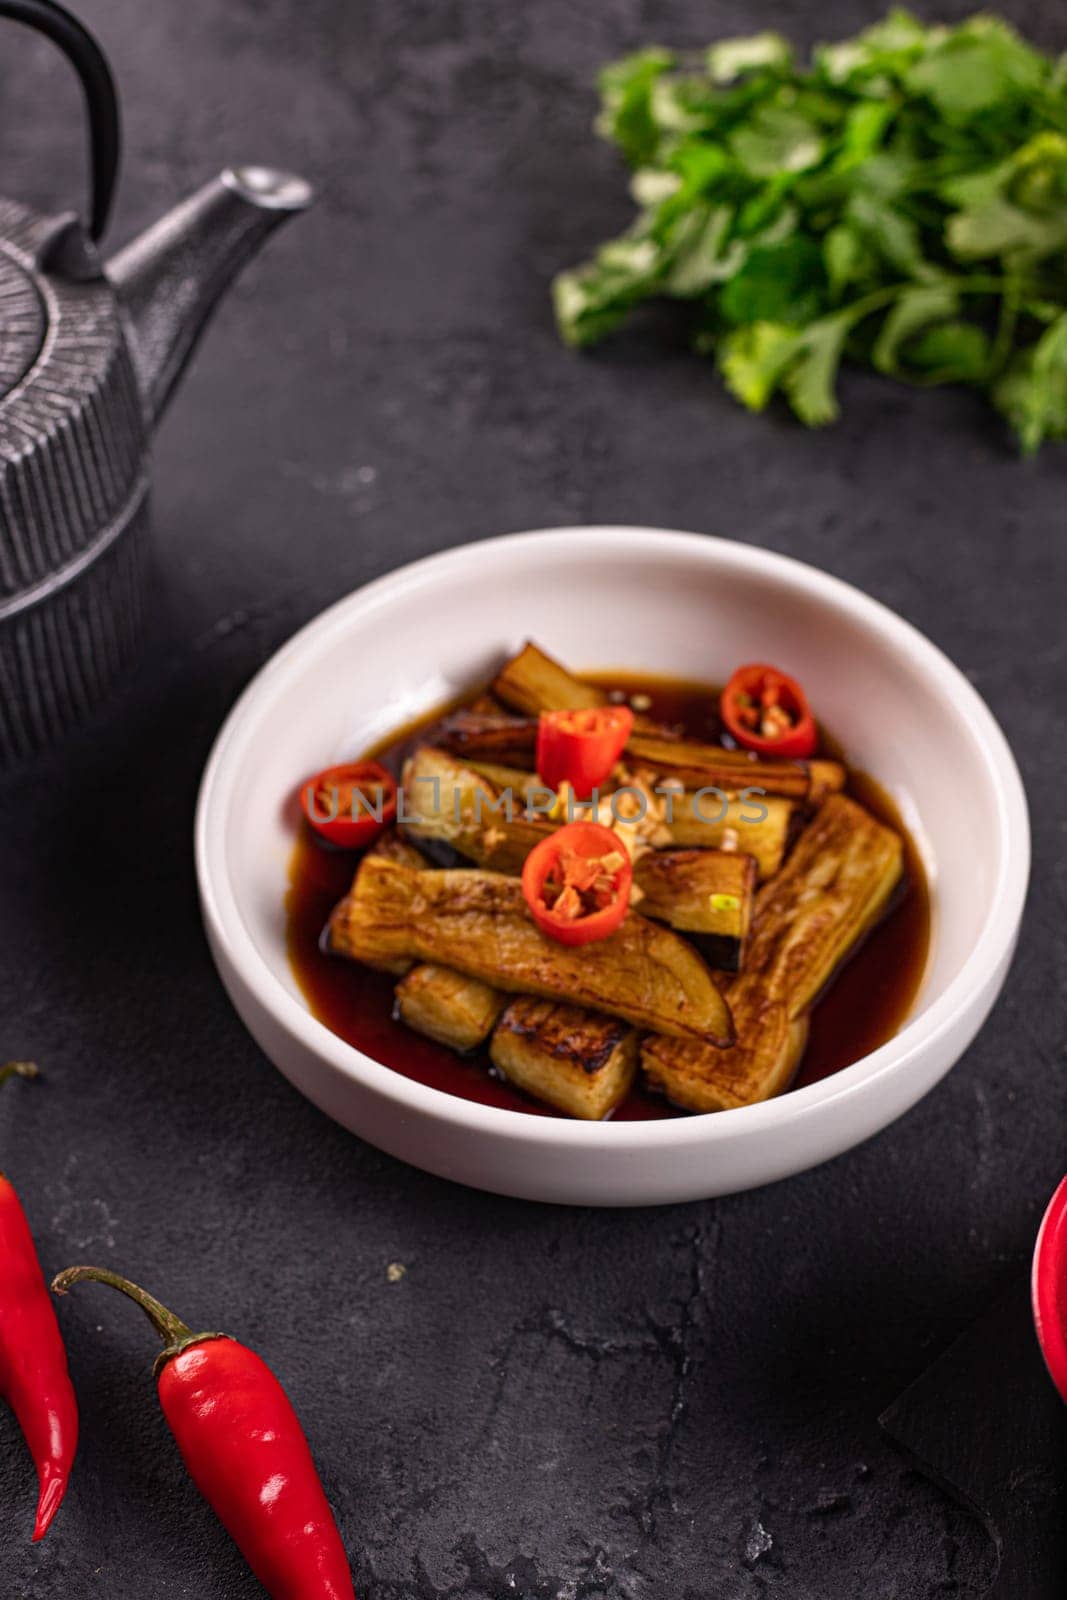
(663, 1405)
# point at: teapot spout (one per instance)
(170, 279)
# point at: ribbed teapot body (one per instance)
(73, 490)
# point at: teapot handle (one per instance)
(101, 101)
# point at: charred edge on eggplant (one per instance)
(490, 736)
(578, 1061)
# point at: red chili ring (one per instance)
(363, 803)
(581, 841)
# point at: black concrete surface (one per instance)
(659, 1405)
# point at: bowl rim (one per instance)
(225, 925)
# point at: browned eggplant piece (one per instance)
(760, 1065)
(695, 823)
(707, 894)
(698, 766)
(833, 888)
(835, 885)
(391, 846)
(484, 705)
(490, 736)
(522, 783)
(461, 807)
(447, 802)
(448, 1006)
(578, 1061)
(532, 682)
(479, 923)
(827, 777)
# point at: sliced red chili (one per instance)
(580, 747)
(349, 805)
(577, 883)
(767, 711)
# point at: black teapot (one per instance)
(89, 355)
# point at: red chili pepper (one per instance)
(349, 805)
(577, 883)
(581, 747)
(767, 711)
(34, 1379)
(1048, 1288)
(244, 1449)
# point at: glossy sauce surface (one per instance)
(864, 1006)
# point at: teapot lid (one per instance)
(72, 425)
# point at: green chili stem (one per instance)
(171, 1329)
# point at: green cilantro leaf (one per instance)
(846, 259)
(752, 360)
(775, 140)
(625, 94)
(777, 283)
(951, 352)
(732, 58)
(977, 67)
(913, 311)
(1032, 394)
(901, 201)
(703, 253)
(810, 380)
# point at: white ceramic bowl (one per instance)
(641, 599)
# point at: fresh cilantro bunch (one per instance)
(901, 201)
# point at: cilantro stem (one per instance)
(879, 298)
(1005, 334)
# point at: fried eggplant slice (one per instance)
(532, 682)
(827, 777)
(391, 846)
(448, 1006)
(448, 803)
(707, 894)
(698, 766)
(759, 1066)
(833, 888)
(490, 736)
(578, 1061)
(754, 827)
(479, 923)
(835, 885)
(484, 705)
(524, 785)
(465, 806)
